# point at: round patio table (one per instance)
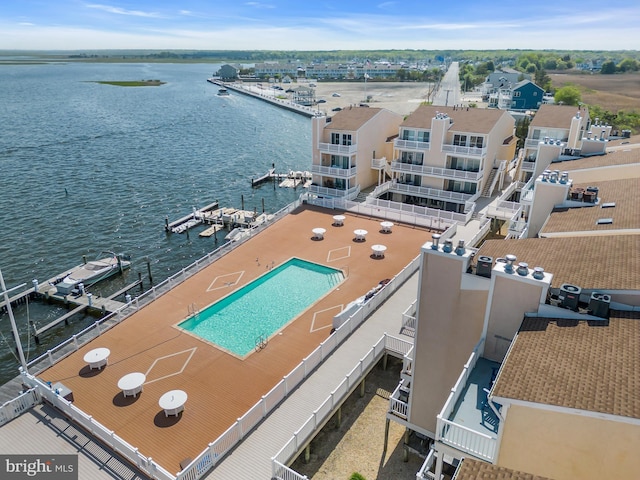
(131, 383)
(386, 226)
(173, 402)
(378, 250)
(97, 358)
(360, 235)
(338, 220)
(318, 233)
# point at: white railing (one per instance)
(334, 171)
(378, 163)
(337, 149)
(318, 418)
(468, 151)
(409, 316)
(398, 407)
(458, 436)
(425, 469)
(16, 407)
(528, 166)
(485, 225)
(458, 197)
(96, 429)
(81, 338)
(399, 166)
(333, 192)
(410, 144)
(411, 214)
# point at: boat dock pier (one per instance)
(270, 175)
(189, 221)
(272, 99)
(80, 303)
(288, 180)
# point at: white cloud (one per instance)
(259, 5)
(122, 11)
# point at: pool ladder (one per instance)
(193, 311)
(261, 342)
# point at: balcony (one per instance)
(410, 144)
(336, 172)
(528, 166)
(448, 173)
(467, 421)
(337, 149)
(465, 151)
(399, 402)
(416, 190)
(333, 192)
(532, 143)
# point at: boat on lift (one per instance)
(89, 273)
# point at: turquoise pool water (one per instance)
(260, 308)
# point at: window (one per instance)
(423, 137)
(516, 94)
(346, 139)
(335, 138)
(408, 134)
(476, 142)
(460, 140)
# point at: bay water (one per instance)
(87, 167)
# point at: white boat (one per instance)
(89, 273)
(223, 92)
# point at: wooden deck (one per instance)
(222, 387)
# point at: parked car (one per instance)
(321, 100)
(312, 85)
(337, 109)
(335, 94)
(364, 105)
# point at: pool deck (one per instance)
(222, 387)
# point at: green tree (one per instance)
(522, 129)
(568, 95)
(608, 67)
(543, 80)
(628, 65)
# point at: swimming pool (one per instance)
(262, 307)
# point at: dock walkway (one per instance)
(252, 458)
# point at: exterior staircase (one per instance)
(491, 181)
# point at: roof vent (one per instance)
(545, 175)
(448, 246)
(608, 205)
(510, 261)
(538, 273)
(553, 177)
(564, 177)
(569, 296)
(523, 269)
(460, 248)
(484, 265)
(435, 239)
(604, 221)
(599, 304)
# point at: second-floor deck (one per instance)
(334, 171)
(337, 149)
(449, 173)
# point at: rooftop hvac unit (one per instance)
(599, 304)
(484, 265)
(569, 296)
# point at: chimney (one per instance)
(435, 239)
(523, 269)
(510, 261)
(460, 248)
(448, 246)
(564, 177)
(538, 273)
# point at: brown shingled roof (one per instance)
(472, 120)
(618, 157)
(625, 215)
(556, 116)
(585, 365)
(471, 469)
(593, 263)
(351, 119)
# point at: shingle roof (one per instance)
(593, 263)
(471, 469)
(556, 116)
(625, 156)
(625, 215)
(351, 119)
(585, 365)
(472, 120)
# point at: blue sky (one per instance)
(319, 24)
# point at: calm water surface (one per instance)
(86, 167)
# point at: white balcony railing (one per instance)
(449, 173)
(399, 402)
(427, 192)
(337, 172)
(337, 149)
(378, 163)
(458, 436)
(466, 151)
(333, 192)
(528, 166)
(410, 144)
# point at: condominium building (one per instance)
(447, 157)
(526, 352)
(350, 150)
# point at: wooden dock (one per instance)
(198, 213)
